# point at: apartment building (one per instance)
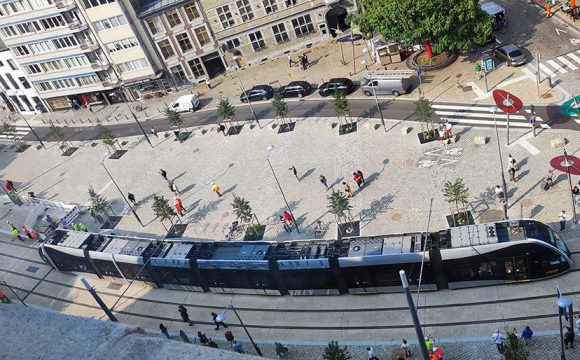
(180, 33)
(15, 89)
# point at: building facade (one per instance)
(17, 93)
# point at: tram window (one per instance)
(463, 272)
(487, 270)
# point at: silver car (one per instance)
(510, 53)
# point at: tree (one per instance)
(98, 202)
(242, 209)
(57, 133)
(10, 131)
(457, 193)
(335, 352)
(424, 114)
(280, 107)
(339, 206)
(442, 24)
(107, 136)
(225, 110)
(515, 347)
(340, 105)
(173, 117)
(162, 209)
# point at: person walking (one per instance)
(16, 233)
(216, 189)
(562, 217)
(405, 347)
(499, 193)
(208, 83)
(163, 174)
(288, 218)
(448, 129)
(548, 180)
(527, 334)
(293, 169)
(569, 336)
(361, 176)
(131, 198)
(498, 339)
(154, 133)
(178, 200)
(357, 179)
(202, 338)
(290, 61)
(184, 315)
(184, 337)
(323, 181)
(26, 232)
(83, 227)
(164, 330)
(512, 172)
(217, 322)
(347, 189)
(511, 161)
(75, 226)
(576, 195)
(229, 337)
(437, 353)
(179, 209)
(173, 187)
(282, 221)
(372, 353)
(9, 186)
(237, 347)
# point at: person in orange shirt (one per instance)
(4, 298)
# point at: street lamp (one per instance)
(222, 317)
(413, 311)
(133, 114)
(270, 148)
(568, 164)
(563, 304)
(493, 110)
(235, 66)
(364, 62)
(98, 299)
(118, 188)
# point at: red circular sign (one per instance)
(559, 164)
(507, 102)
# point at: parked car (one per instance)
(383, 86)
(295, 88)
(338, 84)
(258, 92)
(185, 103)
(510, 53)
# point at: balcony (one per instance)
(100, 66)
(111, 82)
(88, 46)
(77, 26)
(65, 5)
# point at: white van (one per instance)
(185, 103)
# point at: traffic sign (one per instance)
(571, 107)
(507, 102)
(489, 65)
(419, 71)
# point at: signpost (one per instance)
(508, 103)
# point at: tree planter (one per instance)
(347, 128)
(184, 135)
(235, 130)
(255, 232)
(460, 219)
(70, 151)
(117, 154)
(22, 148)
(176, 230)
(348, 229)
(111, 222)
(423, 140)
(287, 127)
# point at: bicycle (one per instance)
(234, 230)
(319, 229)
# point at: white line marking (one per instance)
(567, 63)
(460, 107)
(523, 142)
(557, 66)
(529, 73)
(476, 88)
(546, 70)
(487, 122)
(574, 57)
(512, 81)
(483, 115)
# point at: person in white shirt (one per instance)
(562, 220)
(498, 338)
(372, 353)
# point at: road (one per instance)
(403, 110)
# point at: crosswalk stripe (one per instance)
(488, 122)
(546, 70)
(460, 107)
(483, 115)
(557, 66)
(574, 57)
(567, 63)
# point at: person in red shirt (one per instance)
(288, 218)
(357, 179)
(9, 185)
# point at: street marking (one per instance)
(530, 74)
(567, 63)
(558, 31)
(557, 66)
(460, 107)
(476, 88)
(523, 142)
(490, 122)
(512, 81)
(574, 57)
(546, 70)
(575, 42)
(489, 115)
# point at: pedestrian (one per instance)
(293, 169)
(16, 233)
(437, 353)
(173, 187)
(83, 227)
(131, 198)
(75, 226)
(202, 338)
(498, 339)
(361, 176)
(290, 61)
(229, 337)
(576, 194)
(281, 350)
(288, 218)
(35, 235)
(305, 59)
(372, 354)
(569, 337)
(511, 161)
(562, 220)
(448, 129)
(208, 83)
(499, 193)
(512, 172)
(406, 349)
(322, 179)
(184, 315)
(549, 180)
(26, 232)
(178, 200)
(153, 132)
(179, 209)
(218, 321)
(216, 189)
(4, 299)
(527, 335)
(184, 336)
(237, 347)
(347, 189)
(284, 224)
(428, 344)
(10, 186)
(164, 330)
(163, 174)
(357, 179)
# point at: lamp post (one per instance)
(563, 304)
(133, 114)
(120, 192)
(98, 299)
(364, 62)
(568, 164)
(222, 317)
(493, 110)
(235, 66)
(270, 148)
(413, 311)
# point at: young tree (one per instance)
(98, 202)
(457, 193)
(162, 209)
(225, 110)
(242, 209)
(280, 107)
(440, 24)
(57, 133)
(515, 347)
(107, 136)
(339, 206)
(424, 114)
(335, 352)
(173, 118)
(340, 105)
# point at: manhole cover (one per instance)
(490, 216)
(195, 150)
(32, 269)
(396, 217)
(408, 162)
(527, 202)
(225, 215)
(547, 95)
(115, 286)
(467, 88)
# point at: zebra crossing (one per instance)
(20, 132)
(481, 116)
(558, 66)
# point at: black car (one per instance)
(295, 88)
(343, 85)
(258, 92)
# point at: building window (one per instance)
(280, 33)
(110, 23)
(12, 81)
(121, 44)
(63, 83)
(74, 62)
(202, 36)
(12, 64)
(245, 10)
(4, 84)
(28, 27)
(41, 47)
(43, 86)
(24, 82)
(173, 18)
(153, 25)
(87, 80)
(8, 31)
(257, 41)
(290, 3)
(65, 42)
(32, 69)
(52, 22)
(166, 49)
(54, 65)
(225, 16)
(94, 3)
(25, 101)
(133, 65)
(303, 25)
(179, 74)
(270, 6)
(21, 50)
(231, 44)
(196, 68)
(192, 12)
(184, 43)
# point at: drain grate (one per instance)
(32, 269)
(115, 286)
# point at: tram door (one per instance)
(515, 268)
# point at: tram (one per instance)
(465, 256)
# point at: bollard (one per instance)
(126, 117)
(66, 122)
(146, 114)
(81, 120)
